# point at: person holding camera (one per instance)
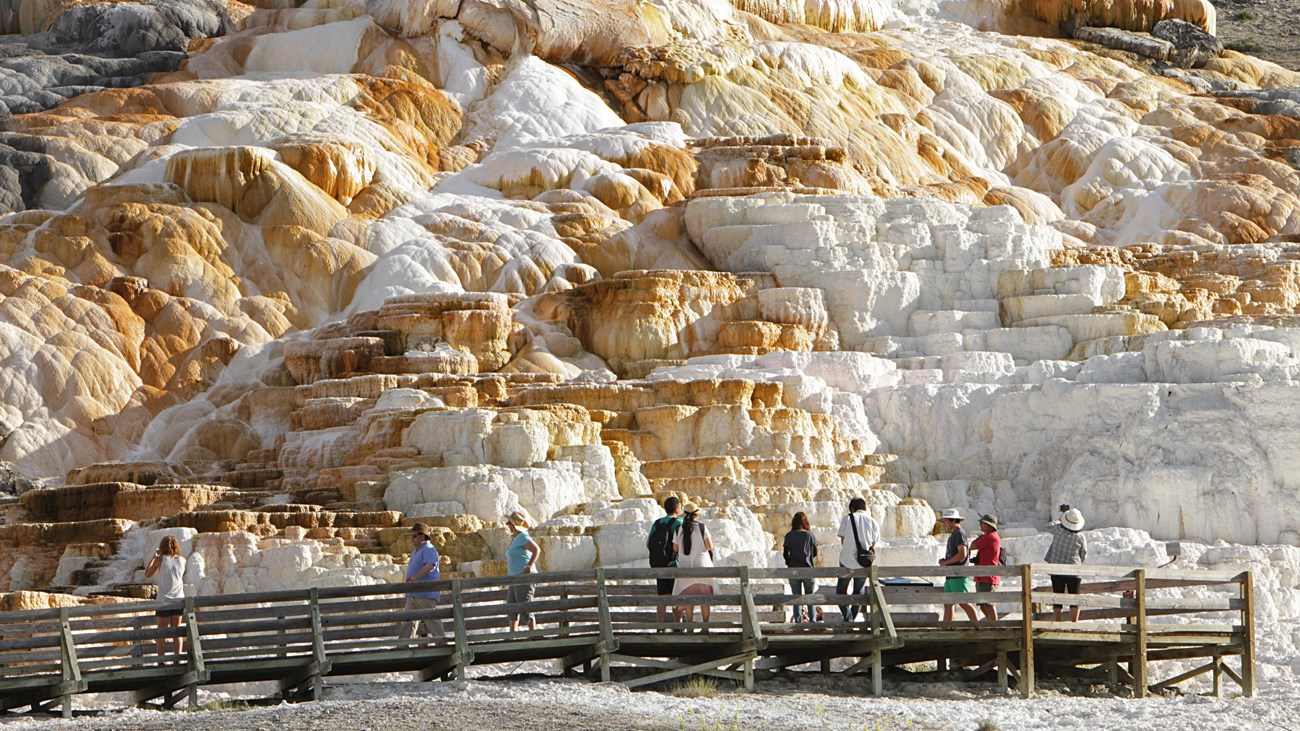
(858, 535)
(169, 565)
(1068, 547)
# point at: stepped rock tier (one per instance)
(281, 278)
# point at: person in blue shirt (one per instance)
(521, 558)
(422, 566)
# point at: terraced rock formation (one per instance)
(281, 280)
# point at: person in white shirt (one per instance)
(858, 531)
(169, 565)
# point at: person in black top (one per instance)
(660, 545)
(800, 549)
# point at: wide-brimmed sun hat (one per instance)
(951, 514)
(519, 518)
(690, 508)
(989, 518)
(421, 528)
(1072, 520)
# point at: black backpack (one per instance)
(866, 555)
(662, 554)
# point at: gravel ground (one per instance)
(810, 702)
(1269, 29)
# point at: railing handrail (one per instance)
(593, 611)
(590, 575)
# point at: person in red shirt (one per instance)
(988, 552)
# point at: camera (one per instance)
(1063, 507)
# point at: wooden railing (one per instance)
(605, 617)
(1144, 614)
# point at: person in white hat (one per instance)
(1068, 547)
(694, 550)
(957, 554)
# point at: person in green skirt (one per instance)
(956, 554)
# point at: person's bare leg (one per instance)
(514, 624)
(990, 612)
(1056, 613)
(947, 612)
(970, 612)
(532, 622)
(704, 616)
(160, 643)
(1074, 613)
(180, 643)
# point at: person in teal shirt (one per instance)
(660, 545)
(521, 558)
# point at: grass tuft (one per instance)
(696, 687)
(988, 724)
(1244, 15)
(1244, 45)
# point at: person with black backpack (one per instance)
(859, 533)
(660, 546)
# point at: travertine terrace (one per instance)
(282, 278)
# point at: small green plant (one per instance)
(1244, 45)
(988, 724)
(696, 687)
(1244, 15)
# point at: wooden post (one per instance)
(317, 645)
(1248, 642)
(567, 671)
(1139, 668)
(606, 626)
(71, 669)
(564, 614)
(1218, 675)
(1002, 671)
(872, 606)
(458, 618)
(193, 652)
(877, 610)
(750, 629)
(1027, 633)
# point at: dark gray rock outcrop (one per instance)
(130, 29)
(103, 46)
(33, 78)
(1173, 42)
(1123, 40)
(1193, 47)
(12, 482)
(1284, 101)
(23, 172)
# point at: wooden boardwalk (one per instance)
(603, 622)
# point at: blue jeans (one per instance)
(850, 611)
(799, 587)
